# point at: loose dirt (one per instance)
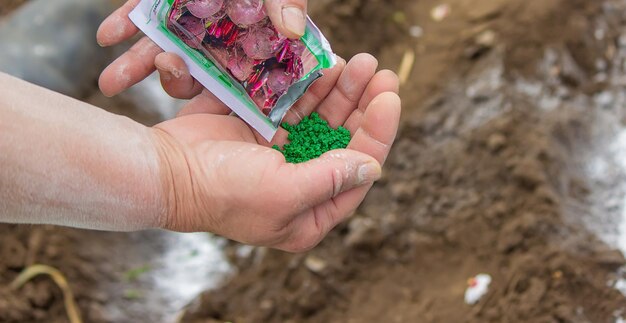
(481, 180)
(487, 176)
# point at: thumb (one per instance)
(288, 16)
(321, 179)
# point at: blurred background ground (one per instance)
(10, 5)
(510, 161)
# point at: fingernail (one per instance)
(294, 20)
(369, 173)
(98, 36)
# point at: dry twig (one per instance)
(35, 270)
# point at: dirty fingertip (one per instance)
(294, 20)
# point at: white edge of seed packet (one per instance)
(144, 16)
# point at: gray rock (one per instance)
(53, 44)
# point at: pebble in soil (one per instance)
(311, 138)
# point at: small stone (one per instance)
(487, 38)
(267, 304)
(416, 31)
(363, 233)
(440, 12)
(315, 264)
(419, 239)
(528, 173)
(496, 142)
(404, 191)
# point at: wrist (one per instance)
(176, 186)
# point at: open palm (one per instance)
(225, 178)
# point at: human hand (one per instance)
(139, 61)
(222, 177)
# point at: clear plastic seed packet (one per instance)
(232, 48)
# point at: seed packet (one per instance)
(232, 48)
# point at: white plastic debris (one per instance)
(477, 288)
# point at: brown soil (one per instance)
(448, 48)
(479, 181)
(475, 184)
(41, 300)
(455, 202)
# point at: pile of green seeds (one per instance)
(311, 138)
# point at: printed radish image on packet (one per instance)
(232, 48)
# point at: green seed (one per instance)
(311, 138)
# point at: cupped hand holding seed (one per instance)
(226, 179)
(288, 16)
(203, 171)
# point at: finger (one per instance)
(288, 16)
(379, 127)
(130, 68)
(321, 179)
(310, 228)
(383, 81)
(305, 232)
(280, 138)
(316, 94)
(374, 137)
(307, 104)
(117, 27)
(318, 181)
(345, 96)
(204, 103)
(175, 76)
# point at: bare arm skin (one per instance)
(65, 162)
